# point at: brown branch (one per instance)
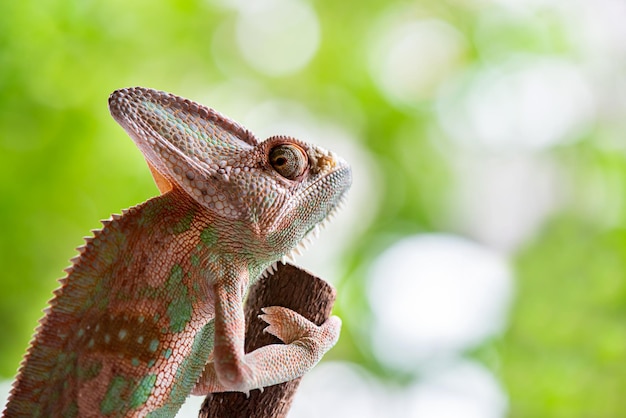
(292, 288)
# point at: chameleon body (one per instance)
(151, 310)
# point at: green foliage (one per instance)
(564, 352)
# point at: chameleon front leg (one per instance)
(233, 370)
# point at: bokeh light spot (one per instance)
(278, 37)
(503, 200)
(465, 389)
(435, 295)
(522, 104)
(5, 389)
(339, 389)
(411, 59)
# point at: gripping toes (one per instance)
(286, 324)
(306, 343)
(289, 326)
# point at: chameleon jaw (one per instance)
(306, 240)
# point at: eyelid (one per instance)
(296, 160)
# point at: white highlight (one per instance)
(191, 407)
(5, 389)
(434, 296)
(337, 390)
(503, 200)
(464, 389)
(411, 59)
(523, 104)
(277, 37)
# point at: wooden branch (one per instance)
(292, 288)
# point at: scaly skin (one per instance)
(152, 308)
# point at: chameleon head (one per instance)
(275, 192)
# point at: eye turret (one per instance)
(290, 161)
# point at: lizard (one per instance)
(151, 310)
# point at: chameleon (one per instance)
(151, 310)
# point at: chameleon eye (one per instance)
(289, 161)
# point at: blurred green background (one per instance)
(496, 121)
